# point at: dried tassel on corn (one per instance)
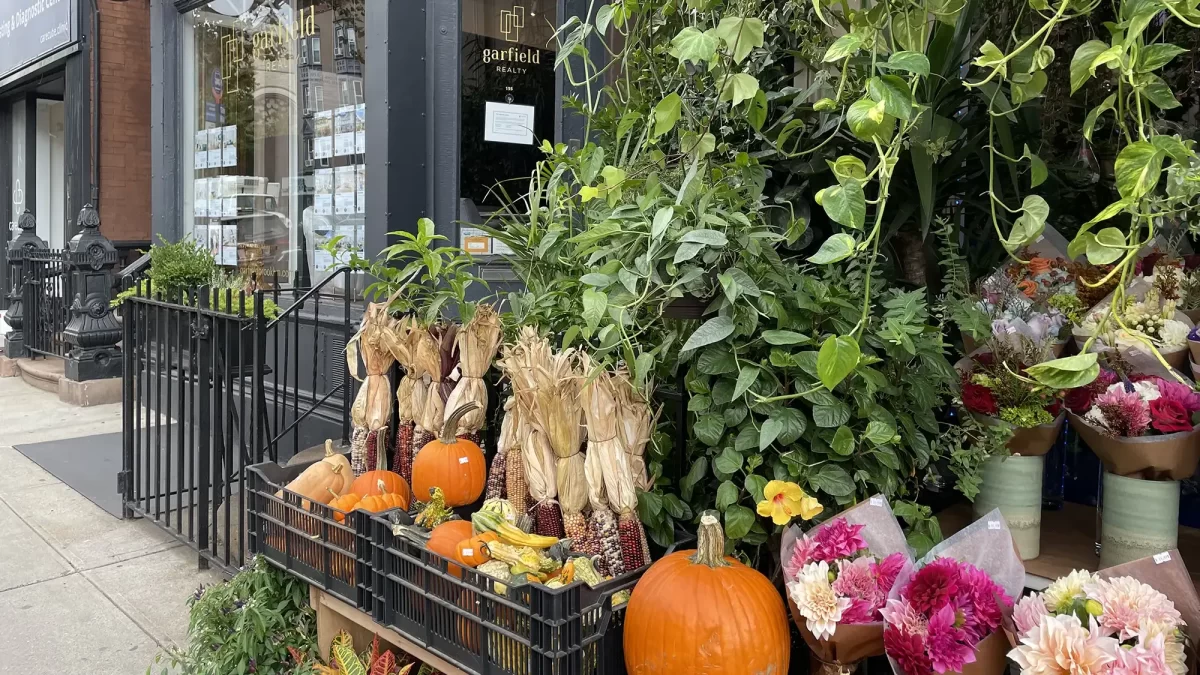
(548, 520)
(606, 531)
(632, 538)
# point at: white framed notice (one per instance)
(229, 146)
(360, 129)
(214, 240)
(229, 190)
(323, 192)
(343, 128)
(215, 207)
(214, 148)
(360, 172)
(229, 245)
(508, 123)
(323, 134)
(200, 203)
(344, 190)
(200, 154)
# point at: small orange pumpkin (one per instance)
(383, 501)
(456, 465)
(702, 612)
(368, 484)
(473, 551)
(345, 502)
(443, 540)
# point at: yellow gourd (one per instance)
(328, 478)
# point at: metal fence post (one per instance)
(93, 332)
(18, 252)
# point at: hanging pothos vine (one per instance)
(1157, 174)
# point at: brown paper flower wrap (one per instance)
(841, 653)
(371, 344)
(477, 341)
(1028, 441)
(1167, 574)
(1165, 457)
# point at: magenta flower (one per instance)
(887, 570)
(857, 582)
(933, 586)
(908, 650)
(802, 554)
(1124, 412)
(1180, 393)
(950, 647)
(985, 599)
(838, 539)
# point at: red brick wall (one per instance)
(125, 119)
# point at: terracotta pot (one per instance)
(1139, 518)
(1165, 457)
(1028, 441)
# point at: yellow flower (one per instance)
(785, 500)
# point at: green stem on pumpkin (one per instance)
(450, 428)
(710, 543)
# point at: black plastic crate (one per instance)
(459, 614)
(309, 543)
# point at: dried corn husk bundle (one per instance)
(376, 406)
(520, 363)
(559, 412)
(602, 537)
(401, 346)
(600, 402)
(477, 343)
(428, 358)
(497, 472)
(635, 427)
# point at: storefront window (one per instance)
(277, 167)
(508, 97)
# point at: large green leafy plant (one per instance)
(1157, 174)
(806, 370)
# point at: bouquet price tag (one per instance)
(1160, 558)
(994, 525)
(876, 501)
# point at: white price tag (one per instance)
(463, 460)
(1160, 558)
(876, 501)
(468, 551)
(994, 525)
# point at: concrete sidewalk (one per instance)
(81, 592)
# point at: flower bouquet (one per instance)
(1122, 621)
(946, 615)
(1035, 306)
(995, 390)
(1143, 431)
(1136, 326)
(838, 576)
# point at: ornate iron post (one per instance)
(93, 332)
(18, 252)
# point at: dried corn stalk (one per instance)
(619, 487)
(593, 543)
(559, 411)
(497, 473)
(477, 344)
(636, 425)
(600, 403)
(520, 362)
(428, 356)
(371, 344)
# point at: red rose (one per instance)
(985, 359)
(1054, 408)
(1169, 416)
(1149, 261)
(1079, 400)
(1191, 261)
(979, 399)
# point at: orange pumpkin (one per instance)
(473, 551)
(443, 540)
(368, 484)
(345, 502)
(701, 612)
(383, 501)
(456, 465)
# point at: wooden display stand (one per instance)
(334, 615)
(1068, 542)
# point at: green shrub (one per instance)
(180, 265)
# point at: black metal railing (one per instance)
(216, 381)
(48, 298)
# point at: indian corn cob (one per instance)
(632, 537)
(605, 529)
(576, 528)
(404, 450)
(515, 485)
(358, 450)
(548, 520)
(497, 477)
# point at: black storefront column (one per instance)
(397, 125)
(93, 332)
(18, 252)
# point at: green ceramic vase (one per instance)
(1014, 485)
(1139, 518)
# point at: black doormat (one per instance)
(89, 465)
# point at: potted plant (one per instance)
(1142, 429)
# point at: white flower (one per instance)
(1095, 418)
(1146, 389)
(1172, 644)
(1062, 593)
(1173, 334)
(816, 601)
